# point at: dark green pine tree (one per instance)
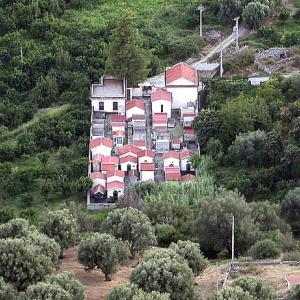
(126, 56)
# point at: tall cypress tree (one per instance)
(126, 56)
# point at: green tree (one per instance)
(165, 271)
(255, 13)
(256, 287)
(230, 9)
(214, 148)
(104, 252)
(62, 227)
(295, 131)
(264, 249)
(14, 228)
(131, 225)
(232, 293)
(126, 57)
(7, 292)
(192, 254)
(294, 293)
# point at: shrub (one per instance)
(232, 293)
(294, 293)
(6, 291)
(292, 256)
(264, 249)
(165, 234)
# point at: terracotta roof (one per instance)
(189, 114)
(119, 132)
(98, 189)
(181, 70)
(184, 153)
(139, 143)
(170, 154)
(108, 167)
(128, 158)
(118, 124)
(146, 152)
(161, 94)
(128, 149)
(188, 131)
(115, 184)
(188, 177)
(135, 103)
(138, 117)
(172, 174)
(160, 118)
(101, 141)
(147, 167)
(97, 158)
(117, 173)
(110, 160)
(118, 118)
(97, 175)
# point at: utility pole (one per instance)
(201, 9)
(232, 241)
(22, 59)
(221, 63)
(236, 33)
(217, 276)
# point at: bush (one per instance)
(255, 13)
(231, 293)
(294, 293)
(192, 254)
(264, 249)
(292, 256)
(6, 291)
(165, 234)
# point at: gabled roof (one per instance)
(115, 184)
(188, 131)
(184, 153)
(101, 142)
(135, 103)
(138, 117)
(128, 149)
(172, 174)
(118, 118)
(161, 94)
(188, 178)
(98, 189)
(171, 154)
(108, 167)
(110, 160)
(147, 167)
(128, 158)
(139, 143)
(117, 173)
(160, 118)
(97, 175)
(181, 70)
(149, 153)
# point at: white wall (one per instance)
(110, 193)
(182, 81)
(115, 178)
(145, 159)
(184, 162)
(156, 107)
(99, 181)
(134, 111)
(124, 166)
(147, 175)
(182, 95)
(101, 150)
(108, 105)
(171, 161)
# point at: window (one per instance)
(101, 105)
(115, 105)
(161, 108)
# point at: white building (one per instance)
(109, 164)
(101, 146)
(146, 156)
(147, 171)
(161, 102)
(109, 95)
(135, 107)
(98, 178)
(115, 189)
(128, 163)
(116, 175)
(128, 150)
(185, 160)
(182, 81)
(171, 159)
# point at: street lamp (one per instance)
(201, 9)
(236, 32)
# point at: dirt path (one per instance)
(96, 288)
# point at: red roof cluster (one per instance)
(110, 160)
(128, 158)
(135, 103)
(184, 153)
(170, 154)
(101, 142)
(149, 153)
(181, 70)
(117, 173)
(172, 174)
(147, 167)
(161, 94)
(128, 149)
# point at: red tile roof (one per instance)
(160, 118)
(138, 117)
(181, 70)
(128, 149)
(189, 114)
(128, 158)
(161, 94)
(146, 152)
(188, 178)
(99, 189)
(101, 141)
(118, 118)
(108, 167)
(147, 167)
(172, 174)
(188, 131)
(110, 160)
(119, 132)
(135, 103)
(171, 154)
(184, 153)
(117, 173)
(139, 143)
(118, 124)
(97, 175)
(115, 184)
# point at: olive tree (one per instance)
(22, 264)
(131, 225)
(45, 291)
(232, 293)
(264, 249)
(192, 254)
(14, 228)
(256, 287)
(165, 271)
(69, 283)
(102, 251)
(255, 13)
(7, 292)
(132, 292)
(62, 226)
